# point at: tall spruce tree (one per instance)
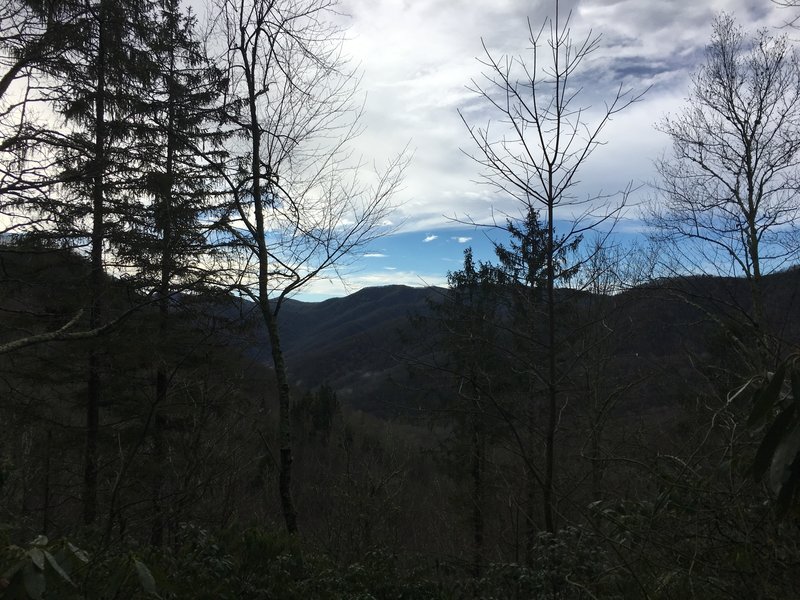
(523, 269)
(165, 238)
(98, 90)
(467, 321)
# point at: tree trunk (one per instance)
(547, 491)
(46, 502)
(477, 496)
(159, 455)
(162, 380)
(285, 424)
(270, 319)
(530, 492)
(96, 284)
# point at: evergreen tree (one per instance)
(98, 90)
(523, 269)
(165, 235)
(466, 324)
(491, 321)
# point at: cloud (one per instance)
(416, 70)
(417, 67)
(323, 288)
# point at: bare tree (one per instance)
(727, 201)
(792, 21)
(297, 206)
(532, 150)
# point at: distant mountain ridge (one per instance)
(361, 344)
(358, 343)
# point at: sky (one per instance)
(418, 58)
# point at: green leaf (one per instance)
(34, 582)
(766, 397)
(145, 577)
(57, 567)
(786, 455)
(37, 557)
(41, 540)
(784, 501)
(78, 553)
(773, 437)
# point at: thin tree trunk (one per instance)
(270, 320)
(477, 496)
(46, 508)
(756, 295)
(96, 284)
(159, 454)
(597, 473)
(285, 424)
(547, 492)
(530, 492)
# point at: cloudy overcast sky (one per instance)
(419, 56)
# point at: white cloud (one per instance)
(417, 67)
(322, 288)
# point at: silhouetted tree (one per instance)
(166, 239)
(728, 193)
(539, 141)
(297, 208)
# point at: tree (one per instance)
(466, 323)
(37, 42)
(97, 89)
(165, 239)
(32, 36)
(297, 208)
(727, 199)
(542, 140)
(523, 269)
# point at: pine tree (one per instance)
(523, 270)
(466, 322)
(98, 90)
(165, 238)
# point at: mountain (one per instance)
(355, 344)
(362, 344)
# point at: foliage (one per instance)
(250, 564)
(315, 412)
(570, 564)
(776, 416)
(60, 569)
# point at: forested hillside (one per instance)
(581, 415)
(390, 475)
